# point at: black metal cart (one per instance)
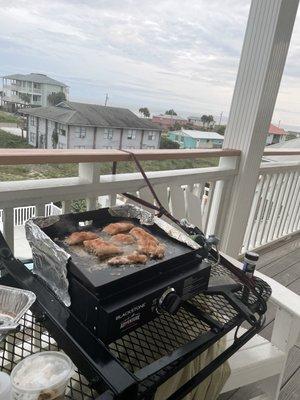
(133, 366)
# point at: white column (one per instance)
(90, 173)
(263, 57)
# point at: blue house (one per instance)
(192, 139)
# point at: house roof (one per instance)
(199, 134)
(82, 114)
(34, 77)
(275, 130)
(288, 144)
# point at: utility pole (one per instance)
(106, 99)
(220, 120)
(279, 122)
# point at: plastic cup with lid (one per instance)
(42, 376)
(5, 386)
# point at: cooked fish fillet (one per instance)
(101, 248)
(80, 237)
(156, 251)
(118, 227)
(134, 258)
(148, 244)
(141, 234)
(122, 238)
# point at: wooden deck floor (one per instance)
(282, 263)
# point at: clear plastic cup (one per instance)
(42, 376)
(5, 386)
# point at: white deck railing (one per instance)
(275, 211)
(187, 193)
(23, 214)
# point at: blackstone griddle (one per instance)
(113, 300)
(135, 365)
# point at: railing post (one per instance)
(8, 226)
(263, 57)
(221, 199)
(90, 173)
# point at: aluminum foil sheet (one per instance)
(49, 260)
(147, 218)
(13, 305)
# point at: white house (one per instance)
(71, 125)
(192, 139)
(37, 87)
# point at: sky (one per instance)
(157, 54)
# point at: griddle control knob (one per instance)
(170, 301)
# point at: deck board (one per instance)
(282, 263)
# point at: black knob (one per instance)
(5, 253)
(170, 302)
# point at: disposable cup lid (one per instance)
(42, 371)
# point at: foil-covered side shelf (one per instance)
(49, 260)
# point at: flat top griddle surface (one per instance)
(96, 272)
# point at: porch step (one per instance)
(258, 359)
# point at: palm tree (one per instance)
(210, 120)
(170, 112)
(145, 112)
(204, 119)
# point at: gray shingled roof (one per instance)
(33, 77)
(71, 113)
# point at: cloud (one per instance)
(173, 53)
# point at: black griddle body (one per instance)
(113, 301)
(116, 316)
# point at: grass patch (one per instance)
(46, 171)
(8, 117)
(10, 141)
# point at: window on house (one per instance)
(79, 147)
(80, 131)
(107, 147)
(150, 147)
(131, 134)
(36, 97)
(61, 129)
(32, 120)
(108, 133)
(151, 135)
(32, 137)
(130, 147)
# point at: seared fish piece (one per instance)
(101, 248)
(118, 227)
(80, 237)
(148, 244)
(122, 238)
(134, 258)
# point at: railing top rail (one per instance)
(41, 156)
(282, 152)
